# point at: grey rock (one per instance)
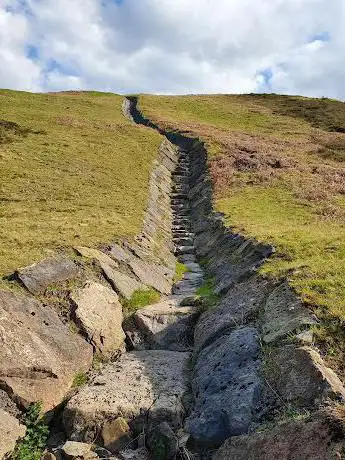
(142, 384)
(138, 454)
(163, 442)
(167, 326)
(226, 386)
(73, 449)
(299, 376)
(240, 303)
(39, 355)
(118, 253)
(283, 313)
(10, 431)
(100, 256)
(319, 437)
(8, 405)
(123, 284)
(37, 277)
(150, 275)
(99, 312)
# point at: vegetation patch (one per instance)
(79, 380)
(73, 171)
(207, 294)
(141, 298)
(32, 446)
(180, 270)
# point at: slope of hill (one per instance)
(73, 171)
(277, 164)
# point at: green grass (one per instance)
(73, 171)
(141, 298)
(207, 294)
(79, 380)
(277, 166)
(32, 446)
(180, 270)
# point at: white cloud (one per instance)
(174, 46)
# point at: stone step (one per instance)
(184, 250)
(182, 241)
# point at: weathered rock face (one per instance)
(299, 376)
(39, 355)
(99, 312)
(100, 256)
(320, 437)
(226, 386)
(283, 313)
(235, 309)
(166, 326)
(146, 385)
(123, 284)
(10, 431)
(150, 275)
(37, 277)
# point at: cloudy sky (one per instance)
(174, 46)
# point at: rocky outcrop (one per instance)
(122, 283)
(10, 431)
(143, 385)
(226, 386)
(318, 437)
(237, 383)
(99, 313)
(40, 356)
(167, 326)
(37, 277)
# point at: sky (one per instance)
(174, 46)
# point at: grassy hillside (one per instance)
(73, 171)
(278, 166)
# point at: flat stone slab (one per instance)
(119, 254)
(235, 309)
(147, 384)
(283, 313)
(91, 253)
(39, 356)
(123, 284)
(99, 312)
(10, 432)
(150, 275)
(167, 326)
(299, 376)
(319, 437)
(226, 386)
(37, 277)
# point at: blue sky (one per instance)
(174, 46)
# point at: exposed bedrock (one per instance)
(250, 356)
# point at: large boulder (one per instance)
(123, 284)
(99, 313)
(283, 314)
(167, 326)
(37, 277)
(299, 376)
(237, 307)
(10, 431)
(319, 437)
(39, 356)
(142, 385)
(226, 386)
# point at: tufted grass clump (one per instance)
(141, 298)
(33, 444)
(180, 270)
(79, 380)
